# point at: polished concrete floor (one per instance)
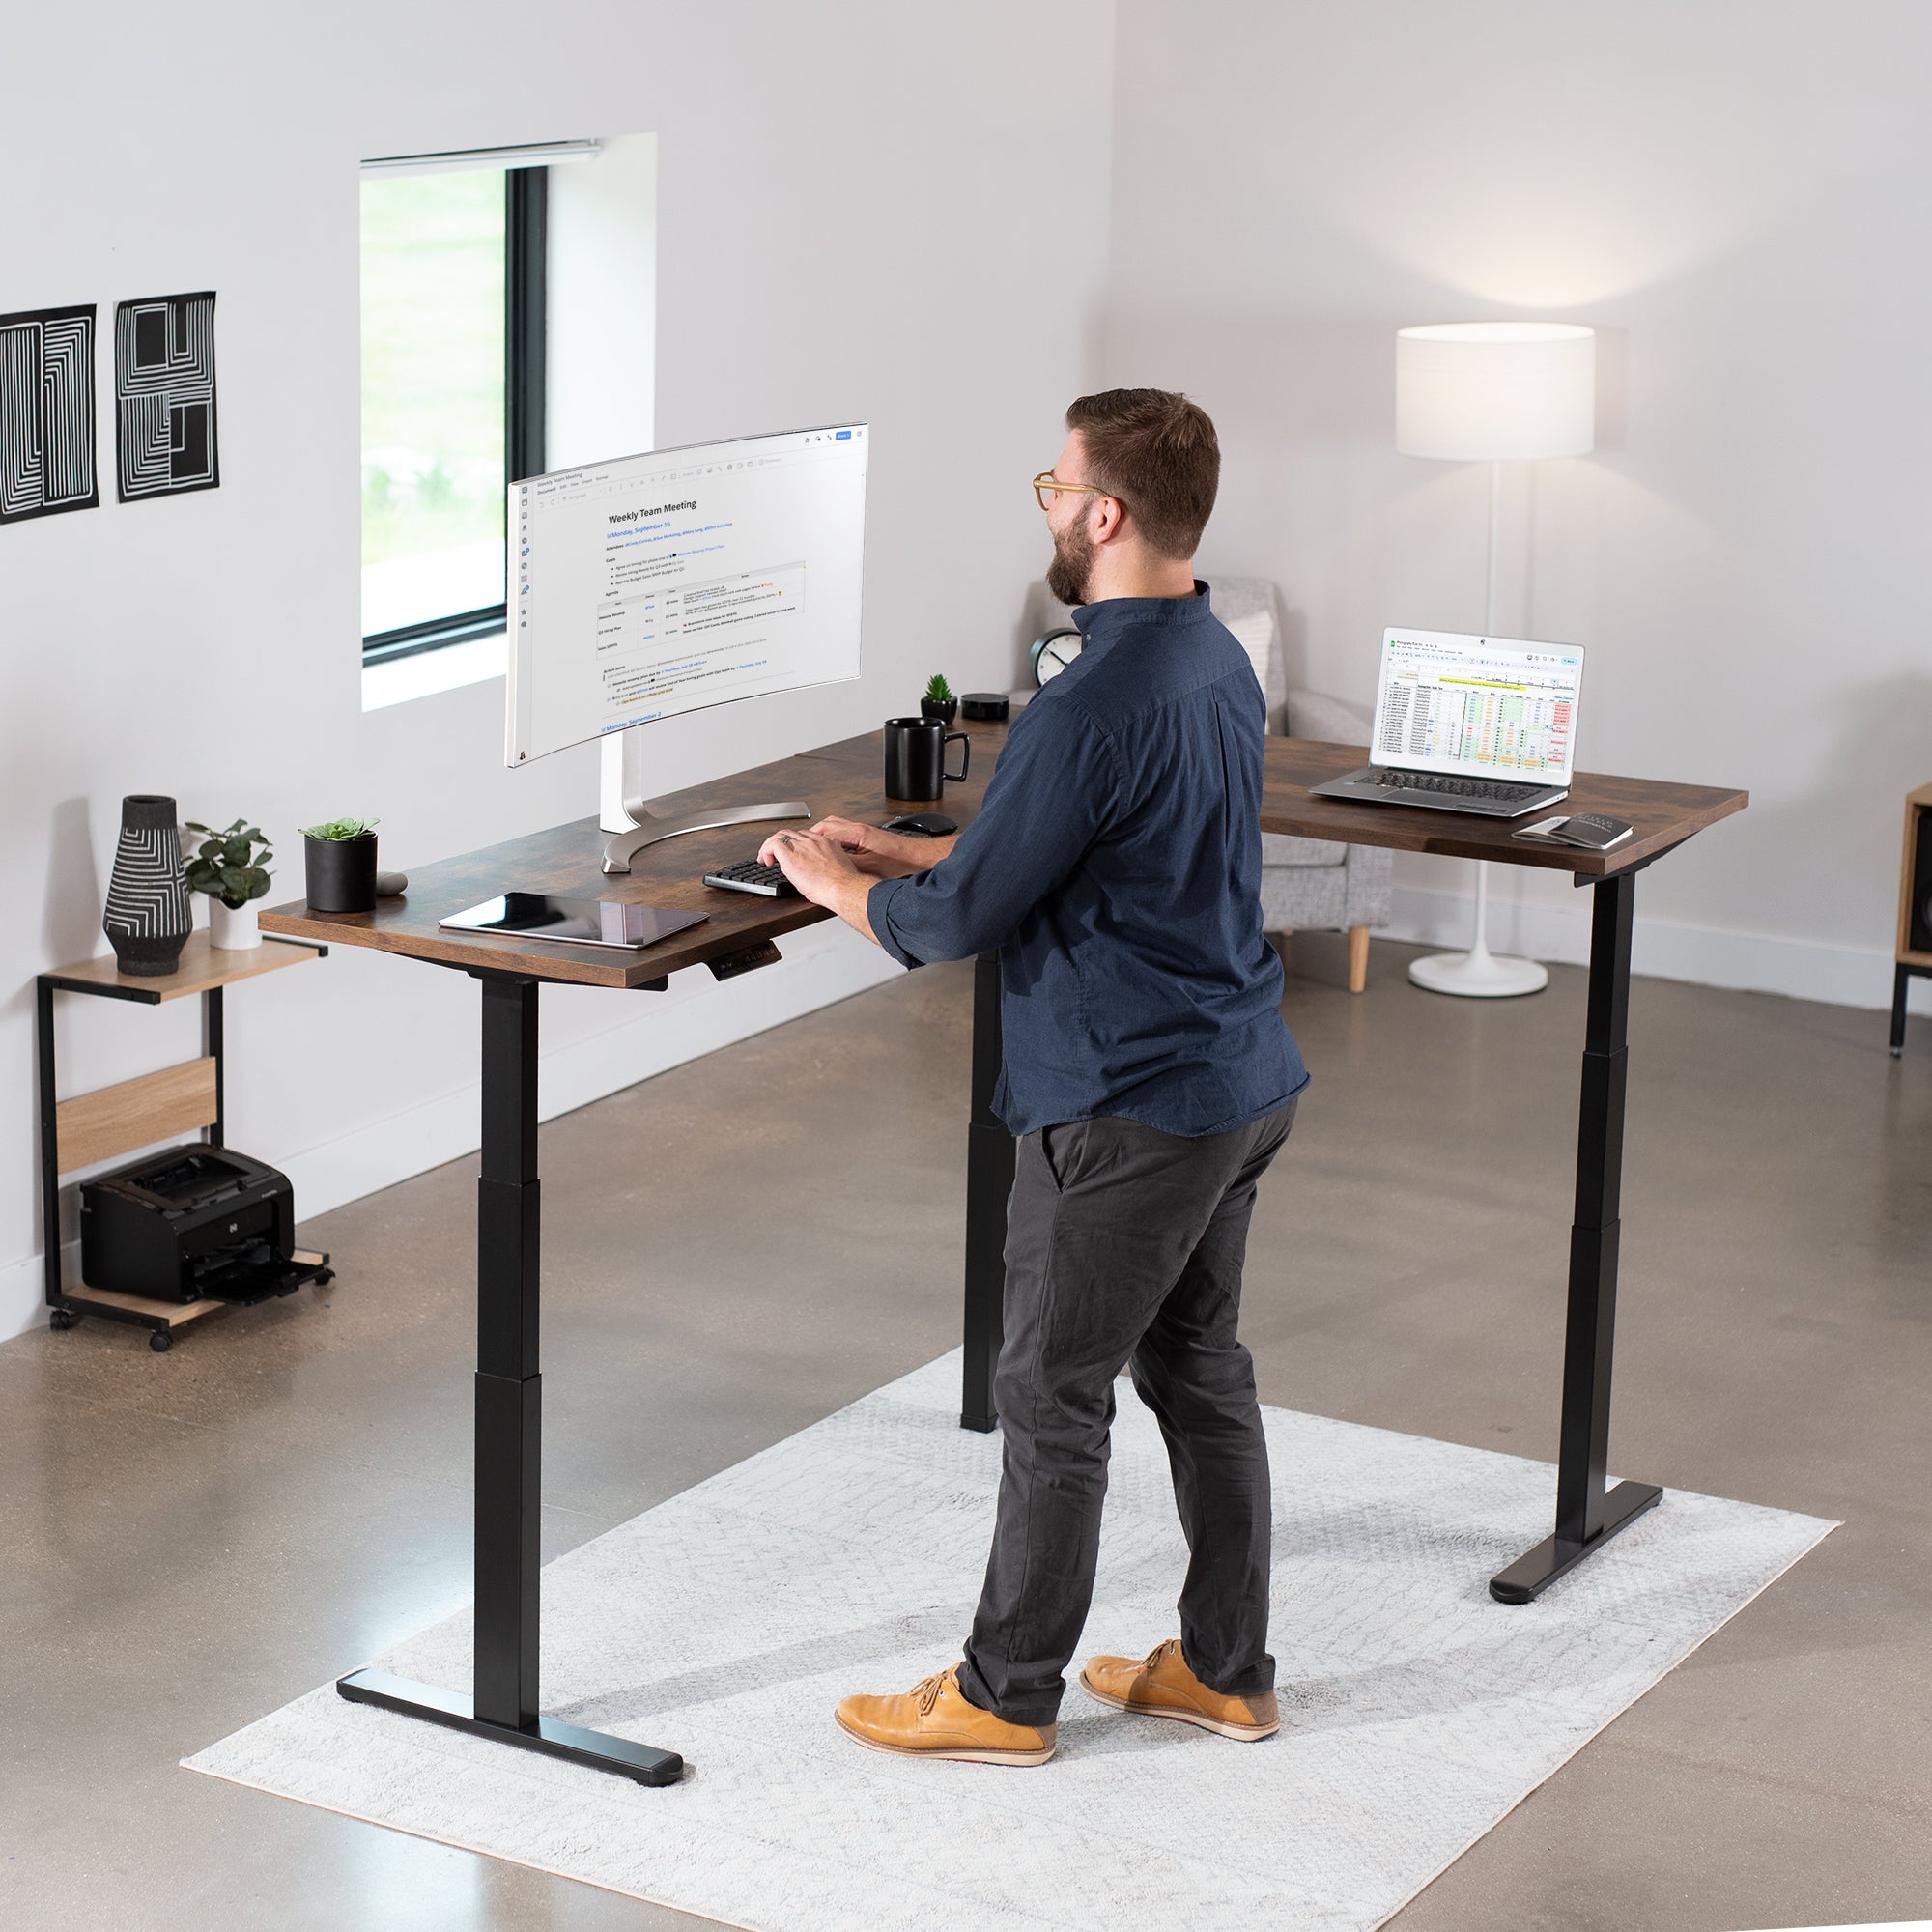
(740, 1246)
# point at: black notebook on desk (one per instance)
(1589, 830)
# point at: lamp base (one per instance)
(1479, 974)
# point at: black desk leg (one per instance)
(989, 1180)
(509, 1455)
(1586, 1516)
(1901, 984)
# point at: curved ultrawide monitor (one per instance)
(652, 586)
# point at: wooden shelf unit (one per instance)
(184, 1098)
(1915, 921)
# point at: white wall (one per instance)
(1735, 193)
(857, 217)
(852, 223)
(601, 300)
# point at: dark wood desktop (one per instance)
(845, 780)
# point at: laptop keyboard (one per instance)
(1508, 794)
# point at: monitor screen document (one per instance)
(652, 586)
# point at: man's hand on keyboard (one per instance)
(877, 854)
(823, 872)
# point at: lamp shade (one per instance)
(1495, 391)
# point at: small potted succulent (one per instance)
(341, 864)
(231, 867)
(939, 701)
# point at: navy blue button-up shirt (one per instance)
(1116, 864)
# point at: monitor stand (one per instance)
(629, 824)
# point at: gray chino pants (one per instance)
(1125, 1248)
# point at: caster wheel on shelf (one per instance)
(59, 1319)
(160, 1341)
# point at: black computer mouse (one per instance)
(921, 824)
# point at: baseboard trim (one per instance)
(823, 964)
(1661, 949)
(24, 1291)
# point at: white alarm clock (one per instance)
(1053, 652)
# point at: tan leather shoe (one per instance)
(933, 1720)
(1161, 1685)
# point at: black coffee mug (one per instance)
(916, 758)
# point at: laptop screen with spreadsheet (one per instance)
(1478, 707)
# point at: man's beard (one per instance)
(1073, 561)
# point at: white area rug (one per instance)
(727, 1623)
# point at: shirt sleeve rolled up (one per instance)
(1054, 787)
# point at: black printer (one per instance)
(191, 1224)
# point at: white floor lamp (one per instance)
(1492, 392)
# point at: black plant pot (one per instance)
(341, 873)
(945, 709)
(148, 917)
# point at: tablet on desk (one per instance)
(576, 922)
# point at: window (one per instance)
(452, 389)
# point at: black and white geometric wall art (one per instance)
(46, 412)
(164, 395)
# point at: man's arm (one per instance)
(1058, 786)
(839, 860)
(826, 873)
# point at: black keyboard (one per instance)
(1459, 787)
(766, 881)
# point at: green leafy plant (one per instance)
(230, 866)
(341, 828)
(938, 691)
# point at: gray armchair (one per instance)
(1314, 884)
(1318, 884)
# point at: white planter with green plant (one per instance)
(231, 869)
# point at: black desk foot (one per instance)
(640, 1763)
(1533, 1573)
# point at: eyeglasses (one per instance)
(1047, 485)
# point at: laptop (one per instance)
(1482, 725)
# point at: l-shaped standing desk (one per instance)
(737, 935)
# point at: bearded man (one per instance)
(1148, 1077)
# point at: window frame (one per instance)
(525, 237)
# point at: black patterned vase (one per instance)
(148, 918)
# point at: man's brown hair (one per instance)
(1158, 454)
